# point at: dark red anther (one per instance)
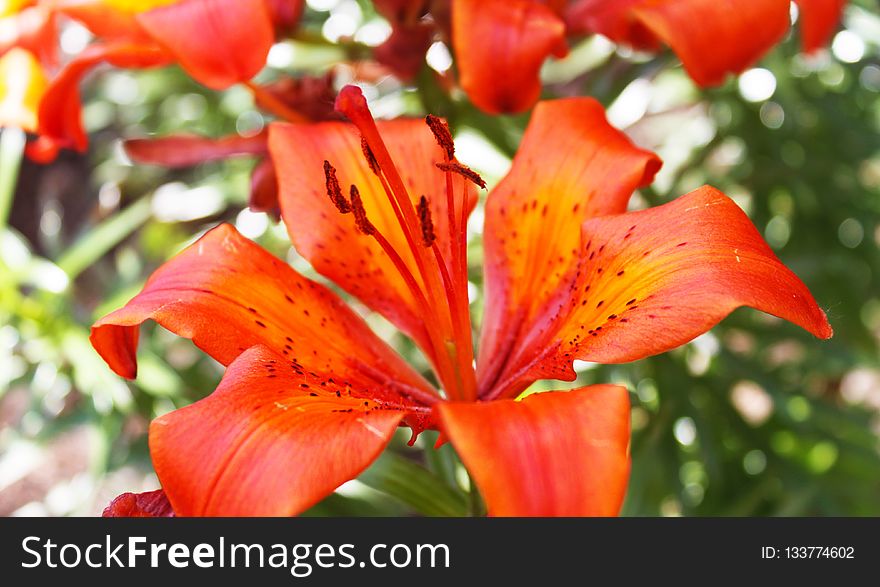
(428, 236)
(363, 224)
(441, 132)
(334, 192)
(368, 155)
(463, 171)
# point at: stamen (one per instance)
(437, 350)
(334, 192)
(368, 155)
(351, 103)
(428, 236)
(364, 225)
(464, 171)
(452, 344)
(441, 132)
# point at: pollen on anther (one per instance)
(428, 236)
(368, 155)
(441, 132)
(463, 171)
(334, 192)
(363, 224)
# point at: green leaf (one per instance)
(414, 485)
(94, 244)
(12, 141)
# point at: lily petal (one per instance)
(264, 189)
(404, 49)
(330, 240)
(652, 280)
(228, 294)
(713, 38)
(551, 454)
(285, 13)
(187, 150)
(818, 21)
(218, 42)
(22, 85)
(109, 19)
(270, 441)
(152, 504)
(613, 19)
(571, 165)
(500, 46)
(34, 29)
(60, 119)
(400, 11)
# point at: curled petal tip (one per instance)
(824, 331)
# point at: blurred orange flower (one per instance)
(500, 45)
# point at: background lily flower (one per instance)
(152, 504)
(219, 43)
(411, 35)
(311, 396)
(22, 84)
(308, 97)
(712, 38)
(29, 25)
(28, 56)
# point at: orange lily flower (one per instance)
(818, 21)
(28, 55)
(311, 396)
(218, 42)
(500, 45)
(404, 50)
(22, 84)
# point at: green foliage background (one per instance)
(756, 418)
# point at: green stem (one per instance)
(353, 49)
(476, 501)
(95, 243)
(12, 141)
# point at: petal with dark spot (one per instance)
(267, 446)
(655, 279)
(571, 165)
(228, 294)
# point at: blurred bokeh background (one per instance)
(754, 418)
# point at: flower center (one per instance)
(438, 285)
